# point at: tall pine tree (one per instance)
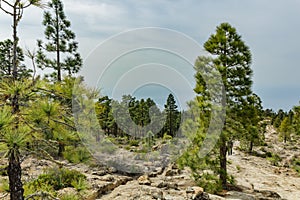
(172, 116)
(61, 42)
(232, 59)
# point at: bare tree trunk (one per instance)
(15, 39)
(251, 147)
(61, 149)
(14, 174)
(223, 162)
(57, 48)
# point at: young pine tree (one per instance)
(6, 60)
(61, 42)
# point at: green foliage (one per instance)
(4, 185)
(58, 178)
(3, 169)
(61, 42)
(167, 137)
(285, 129)
(6, 61)
(76, 154)
(173, 117)
(134, 143)
(231, 58)
(296, 165)
(210, 183)
(274, 159)
(80, 184)
(277, 119)
(296, 119)
(70, 197)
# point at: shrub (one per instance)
(274, 159)
(296, 165)
(134, 143)
(3, 170)
(210, 183)
(167, 137)
(69, 197)
(76, 155)
(80, 184)
(4, 185)
(56, 179)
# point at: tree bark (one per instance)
(15, 39)
(251, 147)
(14, 173)
(223, 162)
(61, 149)
(57, 48)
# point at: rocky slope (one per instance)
(256, 178)
(259, 174)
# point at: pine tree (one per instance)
(15, 9)
(103, 109)
(6, 60)
(278, 118)
(285, 129)
(61, 42)
(172, 116)
(251, 121)
(233, 59)
(296, 119)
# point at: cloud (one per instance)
(270, 29)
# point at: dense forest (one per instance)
(36, 113)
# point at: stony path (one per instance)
(251, 171)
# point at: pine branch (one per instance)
(8, 3)
(64, 123)
(7, 12)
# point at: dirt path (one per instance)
(251, 171)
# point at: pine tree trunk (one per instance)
(14, 173)
(15, 40)
(58, 48)
(251, 147)
(61, 149)
(223, 163)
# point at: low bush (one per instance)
(76, 155)
(274, 159)
(69, 197)
(55, 179)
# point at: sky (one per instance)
(271, 29)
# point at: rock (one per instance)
(144, 180)
(107, 178)
(196, 193)
(171, 170)
(215, 197)
(267, 195)
(64, 191)
(159, 184)
(99, 173)
(239, 195)
(157, 171)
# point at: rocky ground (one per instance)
(256, 177)
(259, 174)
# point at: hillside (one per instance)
(256, 178)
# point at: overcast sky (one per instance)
(270, 28)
